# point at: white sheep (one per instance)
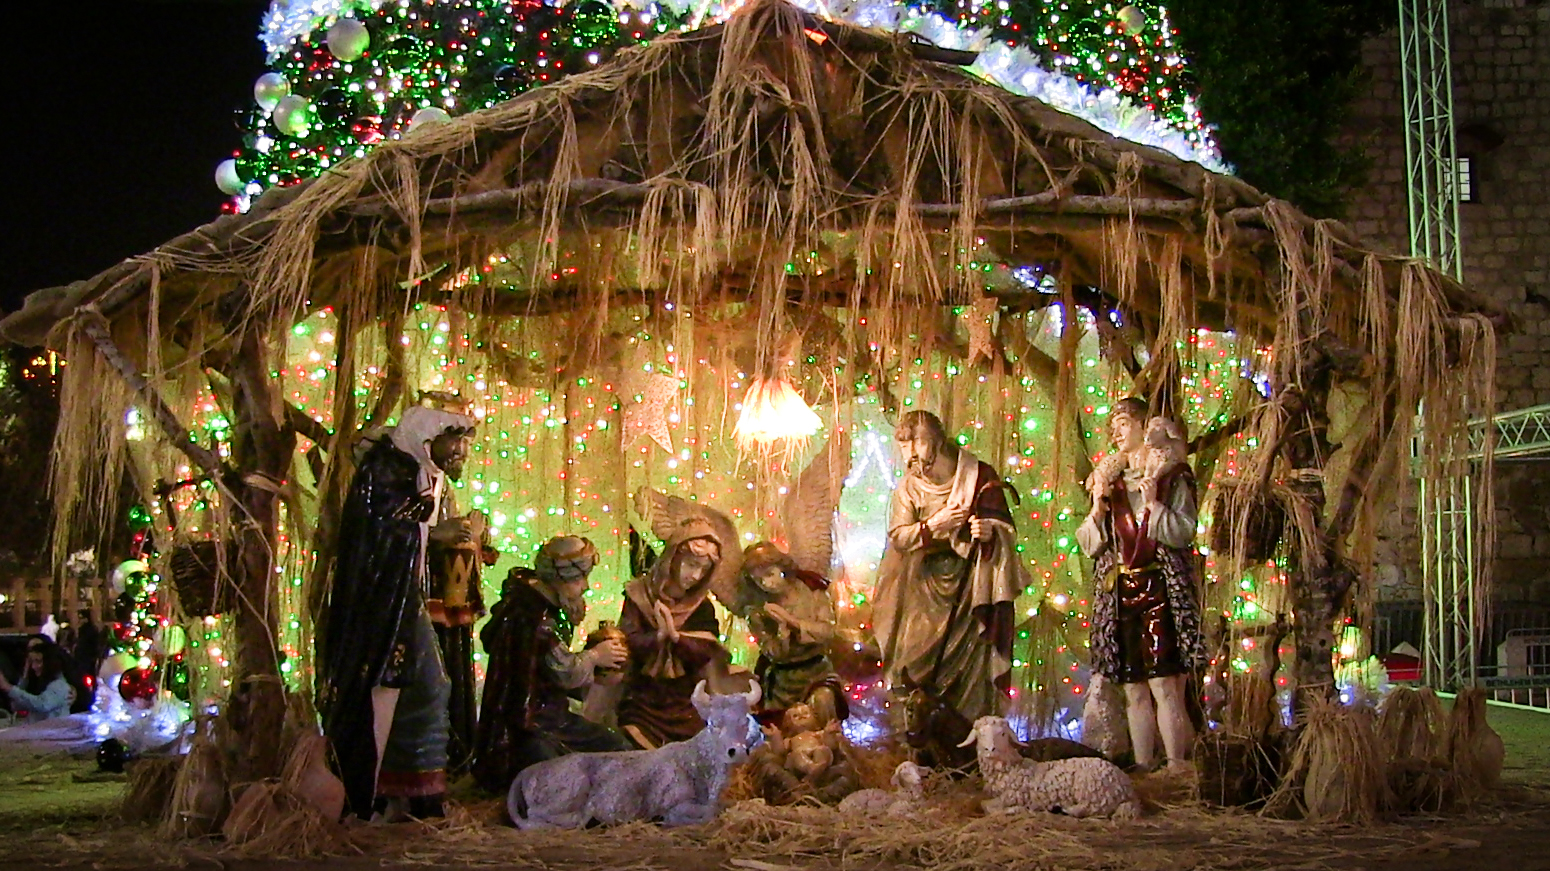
(908, 780)
(1086, 787)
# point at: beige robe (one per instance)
(919, 629)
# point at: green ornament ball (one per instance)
(139, 517)
(1133, 20)
(291, 115)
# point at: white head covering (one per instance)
(419, 426)
(413, 436)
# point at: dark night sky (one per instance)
(118, 113)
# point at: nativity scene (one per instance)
(830, 419)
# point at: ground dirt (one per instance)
(55, 813)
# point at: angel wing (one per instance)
(666, 514)
(809, 508)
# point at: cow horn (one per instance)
(754, 694)
(699, 698)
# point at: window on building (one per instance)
(1464, 180)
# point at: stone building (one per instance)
(1501, 97)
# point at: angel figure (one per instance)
(785, 596)
(669, 623)
(793, 627)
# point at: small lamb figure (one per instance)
(1087, 787)
(908, 780)
(1104, 726)
(679, 783)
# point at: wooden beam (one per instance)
(95, 326)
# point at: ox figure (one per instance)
(679, 783)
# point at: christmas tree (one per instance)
(348, 74)
(345, 78)
(1125, 48)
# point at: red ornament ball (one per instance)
(137, 683)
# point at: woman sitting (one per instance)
(43, 692)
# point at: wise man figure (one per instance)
(1146, 615)
(533, 676)
(949, 575)
(674, 639)
(383, 687)
(459, 547)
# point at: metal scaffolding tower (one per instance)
(1431, 164)
(1452, 614)
(1451, 657)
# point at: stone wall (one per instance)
(1501, 104)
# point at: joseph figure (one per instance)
(949, 575)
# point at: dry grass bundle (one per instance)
(1474, 750)
(269, 820)
(199, 796)
(1252, 708)
(1336, 770)
(1412, 733)
(308, 777)
(1412, 724)
(151, 784)
(1247, 522)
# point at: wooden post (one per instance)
(19, 604)
(262, 446)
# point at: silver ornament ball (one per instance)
(269, 90)
(227, 179)
(428, 115)
(348, 39)
(290, 115)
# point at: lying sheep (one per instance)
(1076, 787)
(904, 800)
(678, 783)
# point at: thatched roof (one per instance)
(711, 161)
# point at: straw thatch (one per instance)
(768, 169)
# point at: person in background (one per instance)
(87, 658)
(42, 692)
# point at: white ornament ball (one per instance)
(428, 115)
(270, 89)
(1132, 19)
(290, 115)
(348, 39)
(226, 177)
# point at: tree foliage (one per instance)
(1276, 78)
(29, 410)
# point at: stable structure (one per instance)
(781, 198)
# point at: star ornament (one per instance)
(647, 414)
(982, 318)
